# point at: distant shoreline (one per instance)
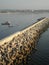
(14, 11)
(24, 11)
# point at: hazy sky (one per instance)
(24, 4)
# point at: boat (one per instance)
(40, 18)
(6, 23)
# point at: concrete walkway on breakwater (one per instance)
(18, 46)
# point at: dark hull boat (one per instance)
(40, 18)
(6, 23)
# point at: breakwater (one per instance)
(17, 46)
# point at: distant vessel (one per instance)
(6, 23)
(40, 18)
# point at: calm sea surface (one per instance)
(20, 21)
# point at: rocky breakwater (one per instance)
(16, 47)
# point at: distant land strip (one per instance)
(27, 10)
